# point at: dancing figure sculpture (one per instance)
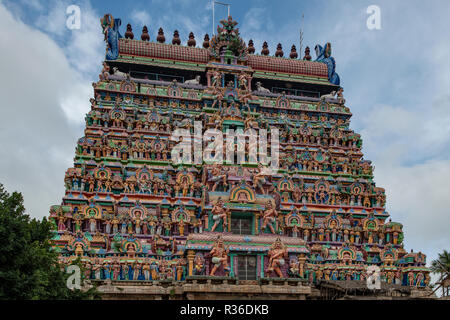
(277, 255)
(219, 255)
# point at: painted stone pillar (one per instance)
(261, 271)
(190, 256)
(208, 78)
(232, 265)
(302, 262)
(256, 223)
(206, 227)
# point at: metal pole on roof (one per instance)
(301, 37)
(213, 10)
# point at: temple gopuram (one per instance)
(145, 226)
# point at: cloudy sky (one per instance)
(396, 83)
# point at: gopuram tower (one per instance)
(160, 197)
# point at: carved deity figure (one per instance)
(146, 269)
(61, 223)
(243, 81)
(411, 278)
(269, 216)
(218, 175)
(216, 82)
(92, 225)
(294, 270)
(199, 265)
(277, 255)
(219, 255)
(219, 214)
(115, 270)
(259, 179)
(136, 270)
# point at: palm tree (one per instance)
(442, 266)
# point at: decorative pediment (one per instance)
(181, 214)
(243, 193)
(370, 223)
(92, 212)
(138, 211)
(102, 173)
(333, 221)
(286, 184)
(294, 219)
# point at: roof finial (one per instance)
(191, 42)
(251, 48)
(293, 54)
(176, 38)
(161, 38)
(206, 41)
(265, 49)
(129, 33)
(279, 52)
(145, 36)
(307, 55)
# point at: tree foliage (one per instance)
(29, 269)
(442, 264)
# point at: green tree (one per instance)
(29, 269)
(441, 265)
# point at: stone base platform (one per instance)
(204, 288)
(227, 288)
(357, 290)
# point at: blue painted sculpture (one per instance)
(324, 56)
(111, 31)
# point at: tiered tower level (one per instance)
(133, 215)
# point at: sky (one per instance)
(396, 81)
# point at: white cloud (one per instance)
(141, 17)
(43, 106)
(54, 21)
(33, 4)
(258, 26)
(75, 101)
(83, 47)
